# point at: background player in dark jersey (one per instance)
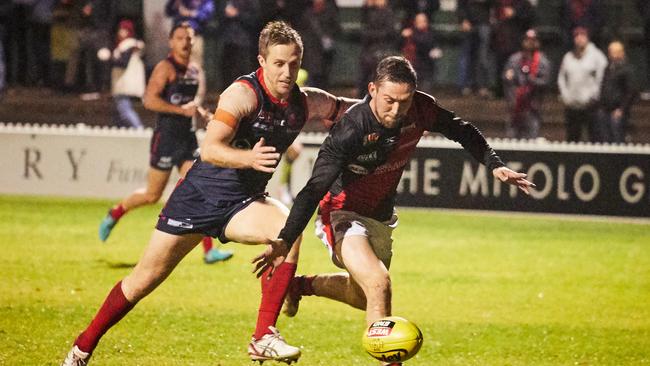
(357, 172)
(174, 91)
(223, 196)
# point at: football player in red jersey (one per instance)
(355, 179)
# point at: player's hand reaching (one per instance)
(264, 158)
(189, 109)
(204, 113)
(275, 253)
(511, 177)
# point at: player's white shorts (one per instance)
(346, 223)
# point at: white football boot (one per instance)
(76, 357)
(273, 347)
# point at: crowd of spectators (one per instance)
(500, 52)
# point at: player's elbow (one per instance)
(314, 192)
(147, 102)
(205, 155)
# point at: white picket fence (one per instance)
(103, 162)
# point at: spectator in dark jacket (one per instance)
(513, 19)
(617, 93)
(474, 17)
(97, 17)
(589, 14)
(289, 11)
(195, 12)
(411, 8)
(420, 48)
(644, 11)
(319, 26)
(29, 28)
(5, 11)
(239, 22)
(378, 38)
(40, 26)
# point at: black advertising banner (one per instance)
(572, 179)
(567, 182)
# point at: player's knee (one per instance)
(152, 197)
(134, 289)
(137, 286)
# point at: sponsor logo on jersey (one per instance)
(391, 140)
(389, 167)
(358, 169)
(261, 125)
(366, 158)
(370, 139)
(176, 98)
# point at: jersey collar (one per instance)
(179, 67)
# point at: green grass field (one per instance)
(485, 290)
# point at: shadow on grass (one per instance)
(116, 265)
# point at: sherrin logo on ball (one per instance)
(392, 339)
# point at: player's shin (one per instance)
(274, 289)
(115, 307)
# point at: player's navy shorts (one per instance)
(171, 148)
(188, 212)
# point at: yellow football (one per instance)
(392, 339)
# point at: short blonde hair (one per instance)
(278, 32)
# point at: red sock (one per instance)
(273, 292)
(207, 244)
(114, 308)
(117, 211)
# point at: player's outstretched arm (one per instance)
(235, 103)
(452, 127)
(511, 177)
(472, 140)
